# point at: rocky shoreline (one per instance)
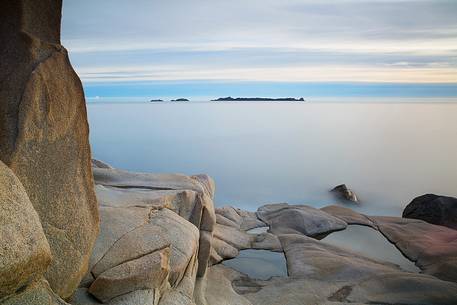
(148, 221)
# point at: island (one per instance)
(180, 100)
(154, 100)
(258, 99)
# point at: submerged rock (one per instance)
(434, 209)
(346, 193)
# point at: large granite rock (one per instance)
(190, 197)
(155, 235)
(434, 209)
(299, 219)
(24, 250)
(44, 134)
(310, 258)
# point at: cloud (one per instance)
(412, 40)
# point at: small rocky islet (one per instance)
(78, 231)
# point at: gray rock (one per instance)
(348, 215)
(434, 209)
(403, 288)
(125, 179)
(147, 272)
(299, 219)
(100, 164)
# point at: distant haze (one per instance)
(181, 43)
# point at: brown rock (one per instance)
(24, 250)
(44, 134)
(433, 248)
(37, 293)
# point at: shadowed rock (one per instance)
(44, 134)
(434, 209)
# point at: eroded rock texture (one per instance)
(44, 134)
(155, 236)
(24, 250)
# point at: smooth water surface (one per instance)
(259, 264)
(369, 242)
(259, 153)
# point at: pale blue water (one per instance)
(259, 264)
(259, 153)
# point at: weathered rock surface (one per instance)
(434, 209)
(24, 250)
(36, 293)
(324, 274)
(44, 134)
(137, 297)
(147, 272)
(298, 219)
(310, 258)
(433, 248)
(230, 234)
(155, 235)
(348, 215)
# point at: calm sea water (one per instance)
(259, 153)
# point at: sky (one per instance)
(212, 48)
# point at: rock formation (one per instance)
(155, 236)
(24, 250)
(44, 134)
(438, 210)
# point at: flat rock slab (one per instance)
(299, 219)
(432, 247)
(310, 258)
(349, 216)
(125, 179)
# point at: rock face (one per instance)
(156, 234)
(44, 134)
(24, 250)
(434, 209)
(298, 219)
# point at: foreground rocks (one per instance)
(434, 209)
(24, 250)
(155, 238)
(44, 135)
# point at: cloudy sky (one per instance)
(278, 43)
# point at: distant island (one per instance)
(257, 99)
(180, 100)
(153, 101)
